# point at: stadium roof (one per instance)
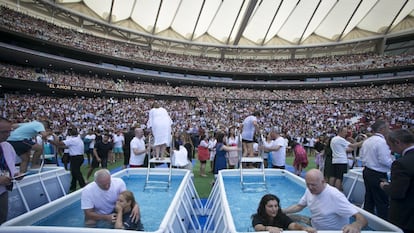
(254, 22)
(255, 29)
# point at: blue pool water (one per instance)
(243, 202)
(153, 204)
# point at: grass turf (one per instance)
(202, 184)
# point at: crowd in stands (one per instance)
(41, 29)
(216, 106)
(405, 90)
(294, 119)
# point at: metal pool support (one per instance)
(218, 216)
(187, 211)
(353, 186)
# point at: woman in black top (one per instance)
(269, 217)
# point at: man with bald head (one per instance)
(330, 210)
(138, 149)
(98, 199)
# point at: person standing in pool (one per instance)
(124, 205)
(99, 198)
(330, 210)
(269, 217)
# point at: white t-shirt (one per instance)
(92, 137)
(339, 146)
(279, 156)
(139, 144)
(102, 201)
(75, 145)
(330, 210)
(118, 139)
(179, 157)
(248, 128)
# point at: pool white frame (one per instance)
(37, 189)
(186, 201)
(354, 187)
(221, 220)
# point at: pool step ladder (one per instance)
(252, 171)
(258, 159)
(158, 176)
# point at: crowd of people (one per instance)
(44, 30)
(332, 117)
(70, 78)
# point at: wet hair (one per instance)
(261, 210)
(129, 196)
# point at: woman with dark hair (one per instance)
(220, 160)
(203, 154)
(232, 156)
(269, 217)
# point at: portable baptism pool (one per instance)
(37, 188)
(231, 204)
(166, 209)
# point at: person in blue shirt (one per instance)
(21, 138)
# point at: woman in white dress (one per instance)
(160, 123)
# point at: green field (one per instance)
(202, 184)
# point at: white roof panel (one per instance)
(257, 22)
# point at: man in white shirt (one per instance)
(98, 199)
(376, 158)
(330, 210)
(138, 149)
(278, 150)
(340, 147)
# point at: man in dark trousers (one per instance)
(100, 154)
(75, 146)
(401, 188)
(377, 159)
(127, 147)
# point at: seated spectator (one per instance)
(179, 156)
